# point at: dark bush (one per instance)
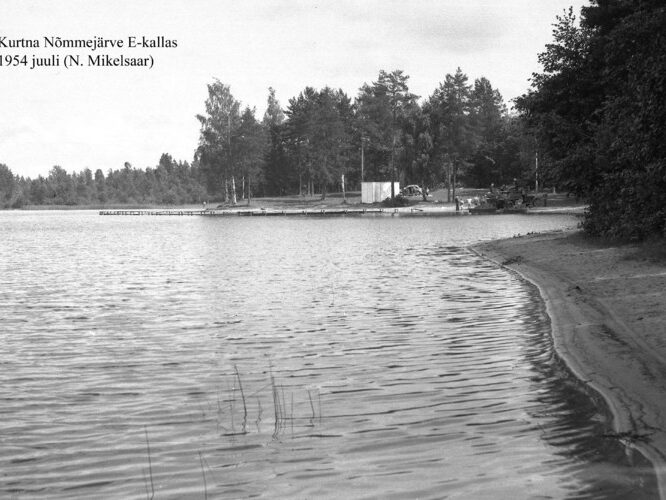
(398, 201)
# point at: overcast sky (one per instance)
(102, 117)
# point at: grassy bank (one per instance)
(437, 197)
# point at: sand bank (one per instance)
(607, 305)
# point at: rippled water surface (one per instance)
(356, 357)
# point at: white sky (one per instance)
(102, 117)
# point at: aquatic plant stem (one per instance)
(150, 465)
(203, 473)
(276, 404)
(311, 407)
(240, 386)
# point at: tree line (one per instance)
(171, 182)
(323, 141)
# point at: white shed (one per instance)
(376, 192)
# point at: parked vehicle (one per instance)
(510, 197)
(411, 190)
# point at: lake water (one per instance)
(236, 357)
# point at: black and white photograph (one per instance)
(333, 249)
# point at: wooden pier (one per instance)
(287, 212)
(152, 212)
(329, 212)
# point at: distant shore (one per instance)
(607, 305)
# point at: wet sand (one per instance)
(607, 305)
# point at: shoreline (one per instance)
(557, 203)
(608, 319)
(419, 209)
(341, 210)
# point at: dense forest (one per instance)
(593, 122)
(598, 112)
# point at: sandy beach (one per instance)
(608, 309)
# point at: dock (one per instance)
(352, 211)
(286, 212)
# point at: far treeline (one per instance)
(462, 134)
(592, 124)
